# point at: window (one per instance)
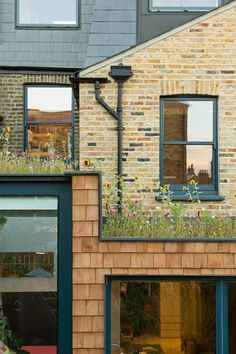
(183, 5)
(49, 122)
(43, 13)
(188, 148)
(35, 267)
(170, 315)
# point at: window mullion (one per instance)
(221, 317)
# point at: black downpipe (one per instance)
(118, 116)
(120, 129)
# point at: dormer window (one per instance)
(44, 13)
(183, 5)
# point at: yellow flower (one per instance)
(126, 213)
(192, 182)
(8, 129)
(166, 186)
(86, 163)
(106, 200)
(107, 185)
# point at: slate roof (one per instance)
(111, 22)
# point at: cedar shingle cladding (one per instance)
(93, 259)
(197, 59)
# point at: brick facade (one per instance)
(12, 104)
(196, 59)
(93, 259)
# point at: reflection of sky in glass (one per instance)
(47, 12)
(200, 121)
(187, 3)
(28, 229)
(50, 99)
(200, 157)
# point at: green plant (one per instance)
(10, 162)
(8, 339)
(171, 219)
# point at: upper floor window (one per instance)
(183, 5)
(189, 143)
(49, 123)
(44, 13)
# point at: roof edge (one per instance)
(157, 39)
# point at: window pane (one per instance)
(49, 140)
(43, 12)
(188, 120)
(49, 104)
(28, 271)
(232, 318)
(50, 121)
(163, 317)
(183, 163)
(185, 3)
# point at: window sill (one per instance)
(205, 196)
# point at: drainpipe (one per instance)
(120, 74)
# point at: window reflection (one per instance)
(188, 120)
(49, 116)
(59, 12)
(163, 317)
(182, 163)
(185, 3)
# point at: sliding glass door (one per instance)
(171, 315)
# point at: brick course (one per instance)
(198, 60)
(12, 104)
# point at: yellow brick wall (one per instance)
(93, 259)
(200, 59)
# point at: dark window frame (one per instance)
(153, 8)
(60, 187)
(26, 122)
(222, 285)
(18, 25)
(208, 192)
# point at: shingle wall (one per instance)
(93, 259)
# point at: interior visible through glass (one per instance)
(232, 317)
(163, 317)
(28, 271)
(183, 163)
(43, 12)
(49, 116)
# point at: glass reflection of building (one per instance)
(182, 161)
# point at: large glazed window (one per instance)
(49, 121)
(183, 5)
(53, 13)
(170, 315)
(189, 142)
(28, 271)
(163, 317)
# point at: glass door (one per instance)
(31, 303)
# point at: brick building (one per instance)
(185, 76)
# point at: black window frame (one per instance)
(18, 25)
(26, 121)
(153, 8)
(208, 192)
